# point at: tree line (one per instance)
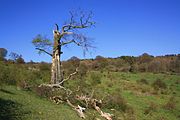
(142, 63)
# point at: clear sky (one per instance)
(124, 27)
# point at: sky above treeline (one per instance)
(123, 27)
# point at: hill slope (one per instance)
(18, 104)
(150, 96)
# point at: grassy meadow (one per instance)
(129, 96)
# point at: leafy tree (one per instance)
(20, 60)
(17, 58)
(3, 53)
(75, 61)
(101, 62)
(145, 58)
(14, 56)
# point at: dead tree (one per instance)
(68, 34)
(64, 36)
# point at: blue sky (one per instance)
(123, 27)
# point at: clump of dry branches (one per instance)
(89, 101)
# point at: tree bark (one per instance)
(56, 74)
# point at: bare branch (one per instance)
(66, 33)
(70, 41)
(83, 22)
(58, 86)
(93, 102)
(69, 76)
(107, 116)
(42, 50)
(42, 44)
(78, 108)
(83, 41)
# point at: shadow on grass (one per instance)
(10, 110)
(5, 91)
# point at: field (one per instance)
(144, 96)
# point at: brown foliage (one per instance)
(171, 104)
(152, 107)
(159, 84)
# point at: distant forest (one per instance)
(16, 71)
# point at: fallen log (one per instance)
(78, 108)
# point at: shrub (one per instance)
(43, 91)
(143, 81)
(95, 78)
(44, 66)
(152, 107)
(23, 85)
(115, 101)
(82, 70)
(7, 74)
(159, 84)
(177, 82)
(171, 104)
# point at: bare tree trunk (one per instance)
(56, 74)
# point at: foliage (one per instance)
(159, 84)
(129, 103)
(3, 53)
(14, 56)
(143, 63)
(115, 101)
(95, 78)
(18, 74)
(143, 81)
(42, 44)
(6, 76)
(171, 104)
(43, 91)
(41, 41)
(82, 70)
(151, 108)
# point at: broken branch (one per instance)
(69, 76)
(79, 109)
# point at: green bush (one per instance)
(115, 101)
(6, 76)
(82, 70)
(18, 74)
(95, 78)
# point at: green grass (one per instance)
(24, 105)
(140, 96)
(19, 104)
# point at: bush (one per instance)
(159, 84)
(7, 76)
(95, 78)
(143, 81)
(171, 104)
(44, 91)
(23, 85)
(152, 107)
(115, 101)
(82, 70)
(44, 66)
